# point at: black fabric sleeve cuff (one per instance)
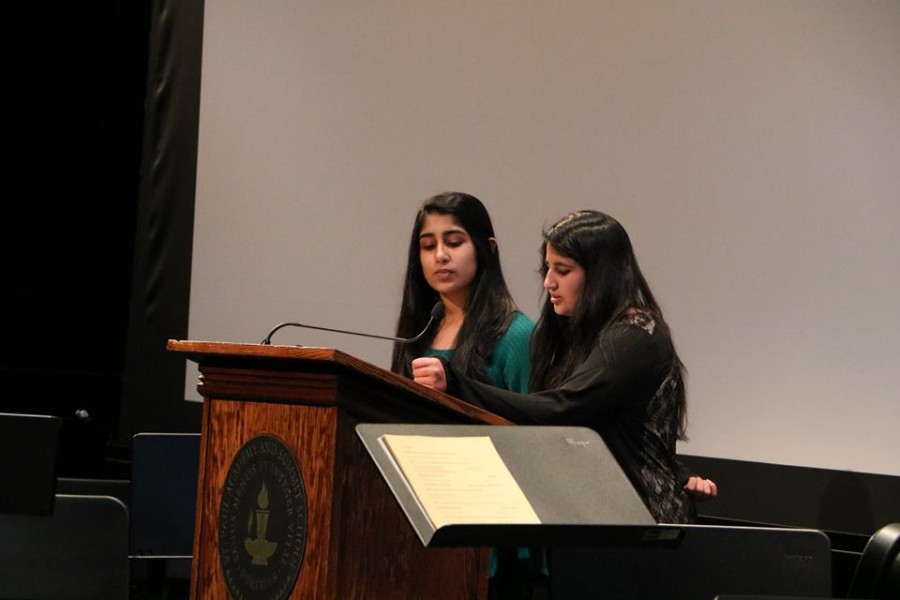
(451, 377)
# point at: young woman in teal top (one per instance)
(453, 257)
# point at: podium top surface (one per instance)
(201, 351)
(329, 360)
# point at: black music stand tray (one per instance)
(574, 484)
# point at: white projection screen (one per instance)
(751, 149)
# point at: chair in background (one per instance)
(877, 574)
(164, 469)
(28, 456)
(79, 551)
(707, 562)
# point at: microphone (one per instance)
(437, 313)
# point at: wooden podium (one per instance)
(357, 542)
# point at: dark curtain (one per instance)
(153, 382)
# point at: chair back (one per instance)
(28, 463)
(877, 574)
(164, 468)
(79, 551)
(707, 561)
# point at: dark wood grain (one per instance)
(359, 543)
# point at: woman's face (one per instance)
(564, 281)
(447, 254)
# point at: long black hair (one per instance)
(614, 288)
(489, 307)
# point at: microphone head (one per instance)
(437, 311)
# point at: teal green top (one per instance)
(509, 367)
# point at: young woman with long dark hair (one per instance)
(454, 258)
(602, 356)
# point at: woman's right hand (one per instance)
(429, 371)
(701, 488)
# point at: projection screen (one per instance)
(750, 149)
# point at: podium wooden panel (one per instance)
(359, 543)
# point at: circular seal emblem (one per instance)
(262, 521)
